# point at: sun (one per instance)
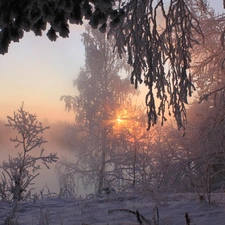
(118, 120)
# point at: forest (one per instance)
(124, 153)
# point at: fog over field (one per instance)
(56, 142)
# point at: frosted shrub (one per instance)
(20, 171)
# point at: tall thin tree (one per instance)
(102, 93)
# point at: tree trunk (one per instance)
(103, 162)
(134, 164)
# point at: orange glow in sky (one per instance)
(122, 120)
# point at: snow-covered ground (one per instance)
(113, 210)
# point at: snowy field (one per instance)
(113, 210)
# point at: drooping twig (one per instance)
(188, 220)
(140, 218)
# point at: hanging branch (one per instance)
(160, 56)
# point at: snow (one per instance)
(68, 211)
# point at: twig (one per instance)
(188, 220)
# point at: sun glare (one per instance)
(121, 120)
(118, 120)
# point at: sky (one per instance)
(37, 72)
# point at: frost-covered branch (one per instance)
(28, 129)
(158, 42)
(19, 172)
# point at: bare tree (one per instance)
(208, 58)
(132, 149)
(102, 94)
(19, 172)
(209, 154)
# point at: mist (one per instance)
(56, 143)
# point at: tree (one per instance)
(102, 94)
(208, 74)
(207, 153)
(132, 149)
(157, 40)
(19, 172)
(194, 161)
(208, 58)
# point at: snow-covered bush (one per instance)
(20, 171)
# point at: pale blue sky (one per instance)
(38, 71)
